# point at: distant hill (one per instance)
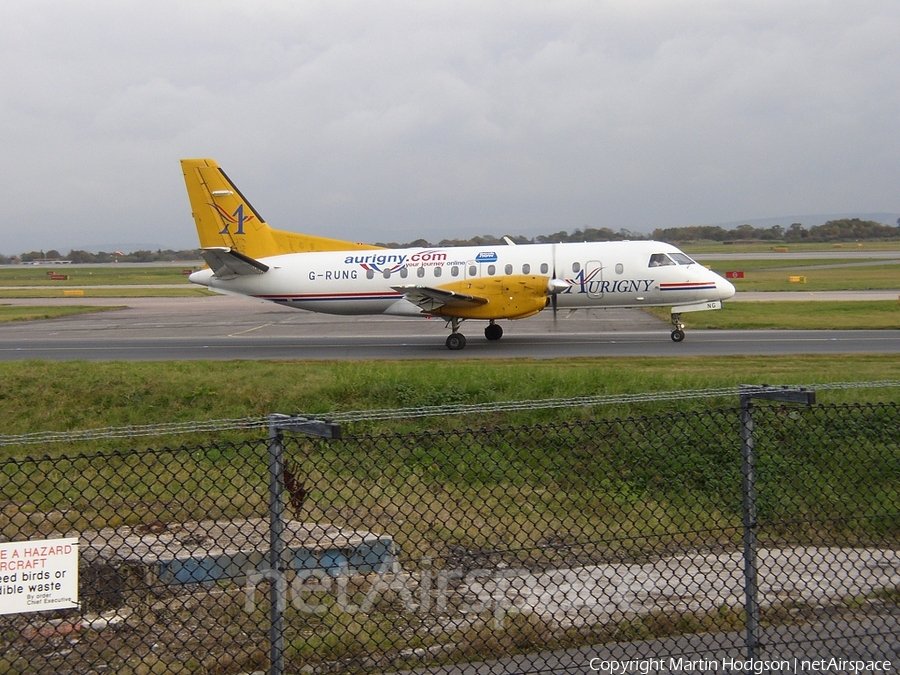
(835, 227)
(124, 247)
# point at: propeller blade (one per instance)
(555, 286)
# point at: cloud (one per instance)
(398, 120)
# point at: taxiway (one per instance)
(229, 328)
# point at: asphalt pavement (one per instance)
(228, 328)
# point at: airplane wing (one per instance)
(226, 263)
(429, 299)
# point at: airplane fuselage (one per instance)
(601, 274)
(487, 283)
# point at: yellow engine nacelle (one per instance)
(508, 297)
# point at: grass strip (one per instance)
(801, 263)
(32, 313)
(796, 315)
(52, 396)
(713, 247)
(759, 278)
(93, 276)
(116, 292)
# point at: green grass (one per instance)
(719, 247)
(760, 278)
(798, 315)
(30, 313)
(93, 276)
(722, 265)
(119, 292)
(39, 395)
(103, 281)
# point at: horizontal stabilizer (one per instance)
(430, 299)
(226, 263)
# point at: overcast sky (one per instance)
(379, 121)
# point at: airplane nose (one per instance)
(724, 288)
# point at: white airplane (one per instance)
(489, 283)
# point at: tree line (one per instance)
(78, 256)
(844, 230)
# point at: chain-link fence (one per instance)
(720, 540)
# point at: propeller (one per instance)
(555, 287)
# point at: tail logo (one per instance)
(237, 218)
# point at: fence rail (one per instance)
(577, 547)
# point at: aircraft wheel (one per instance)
(493, 332)
(677, 335)
(456, 341)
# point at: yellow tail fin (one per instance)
(225, 218)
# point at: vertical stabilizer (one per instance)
(225, 218)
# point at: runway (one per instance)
(232, 328)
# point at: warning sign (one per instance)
(36, 576)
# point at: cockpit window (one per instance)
(660, 259)
(682, 259)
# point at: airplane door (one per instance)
(593, 277)
(474, 272)
(471, 269)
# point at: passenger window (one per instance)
(619, 268)
(473, 271)
(508, 269)
(370, 274)
(404, 273)
(420, 272)
(386, 274)
(526, 268)
(454, 271)
(576, 268)
(544, 268)
(437, 271)
(492, 269)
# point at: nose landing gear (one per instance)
(678, 333)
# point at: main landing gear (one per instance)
(678, 333)
(457, 340)
(492, 331)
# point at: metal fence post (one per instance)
(276, 545)
(748, 497)
(748, 508)
(278, 424)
